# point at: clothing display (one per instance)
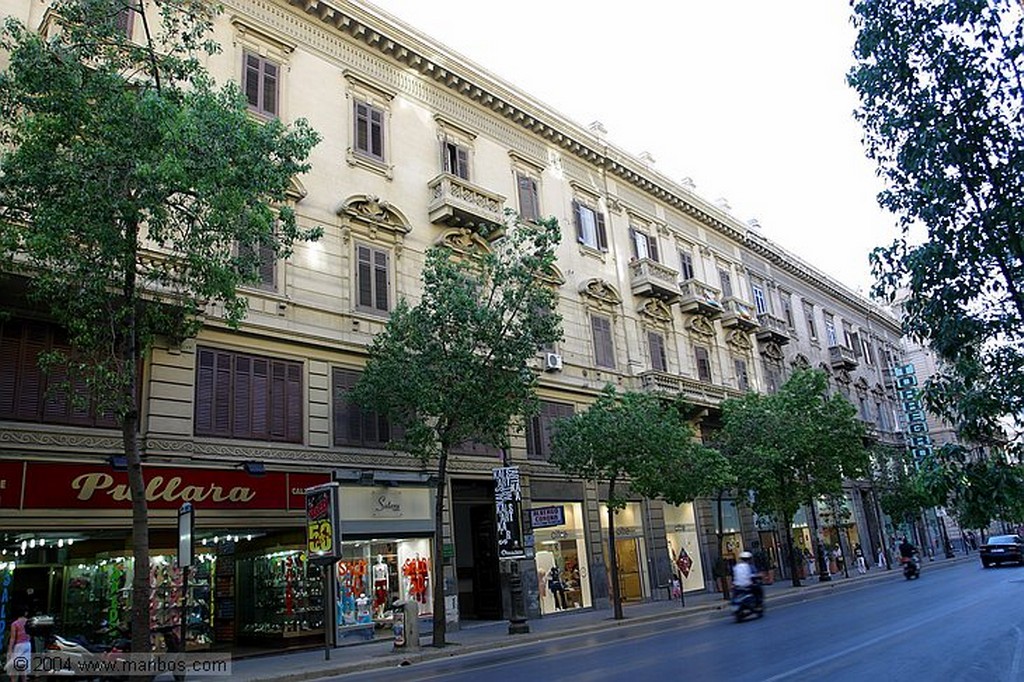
(417, 576)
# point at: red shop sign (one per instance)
(11, 474)
(84, 486)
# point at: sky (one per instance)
(747, 98)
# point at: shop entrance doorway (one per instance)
(476, 550)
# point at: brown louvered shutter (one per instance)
(529, 205)
(278, 391)
(377, 133)
(293, 398)
(342, 381)
(260, 398)
(380, 281)
(602, 235)
(604, 351)
(205, 359)
(242, 410)
(633, 243)
(56, 404)
(703, 363)
(222, 394)
(10, 352)
(269, 88)
(268, 266)
(33, 382)
(463, 157)
(362, 125)
(364, 277)
(123, 22)
(652, 247)
(656, 344)
(252, 80)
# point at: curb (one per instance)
(805, 592)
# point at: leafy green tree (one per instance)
(635, 443)
(905, 488)
(135, 197)
(792, 447)
(941, 87)
(977, 489)
(454, 367)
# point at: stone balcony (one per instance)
(697, 392)
(460, 203)
(698, 298)
(650, 278)
(772, 329)
(841, 357)
(738, 314)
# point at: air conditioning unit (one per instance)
(552, 362)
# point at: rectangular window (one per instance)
(869, 354)
(266, 264)
(830, 330)
(352, 424)
(656, 346)
(124, 22)
(260, 83)
(369, 132)
(604, 349)
(772, 376)
(726, 279)
(248, 397)
(29, 394)
(865, 411)
(538, 428)
(812, 328)
(700, 354)
(742, 378)
(529, 200)
(644, 245)
(685, 265)
(456, 159)
(589, 226)
(785, 298)
(880, 417)
(760, 301)
(372, 279)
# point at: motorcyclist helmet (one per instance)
(746, 555)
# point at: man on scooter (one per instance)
(743, 575)
(907, 550)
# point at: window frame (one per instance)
(812, 325)
(372, 278)
(263, 60)
(757, 291)
(831, 334)
(529, 206)
(703, 363)
(640, 236)
(657, 350)
(365, 126)
(538, 428)
(742, 374)
(725, 281)
(580, 208)
(603, 337)
(686, 269)
(344, 414)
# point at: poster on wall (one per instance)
(323, 531)
(508, 500)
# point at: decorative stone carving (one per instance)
(656, 310)
(801, 362)
(465, 242)
(739, 340)
(772, 351)
(701, 326)
(600, 292)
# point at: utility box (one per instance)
(407, 625)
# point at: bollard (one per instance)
(406, 625)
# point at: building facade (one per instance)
(659, 290)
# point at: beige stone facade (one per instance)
(693, 300)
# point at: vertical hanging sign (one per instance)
(918, 440)
(323, 530)
(508, 500)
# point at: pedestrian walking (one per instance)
(881, 557)
(862, 565)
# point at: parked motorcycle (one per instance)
(911, 567)
(748, 601)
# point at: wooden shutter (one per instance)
(602, 236)
(656, 345)
(652, 248)
(633, 237)
(529, 205)
(33, 382)
(278, 392)
(294, 428)
(241, 426)
(268, 266)
(223, 371)
(269, 88)
(342, 381)
(703, 363)
(463, 162)
(252, 80)
(377, 133)
(364, 277)
(10, 366)
(260, 398)
(604, 350)
(204, 391)
(380, 280)
(362, 127)
(123, 22)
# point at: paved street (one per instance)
(957, 622)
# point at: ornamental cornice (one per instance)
(36, 439)
(385, 35)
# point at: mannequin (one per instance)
(380, 585)
(557, 587)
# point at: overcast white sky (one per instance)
(746, 97)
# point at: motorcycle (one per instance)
(911, 567)
(747, 601)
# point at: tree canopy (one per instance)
(454, 367)
(636, 444)
(135, 197)
(941, 88)
(792, 447)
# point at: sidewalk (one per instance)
(480, 636)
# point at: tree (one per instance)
(941, 87)
(639, 443)
(905, 489)
(453, 368)
(978, 490)
(135, 196)
(792, 447)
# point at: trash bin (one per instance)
(406, 625)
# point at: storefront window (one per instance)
(683, 547)
(561, 556)
(630, 551)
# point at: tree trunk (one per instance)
(613, 559)
(793, 558)
(440, 617)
